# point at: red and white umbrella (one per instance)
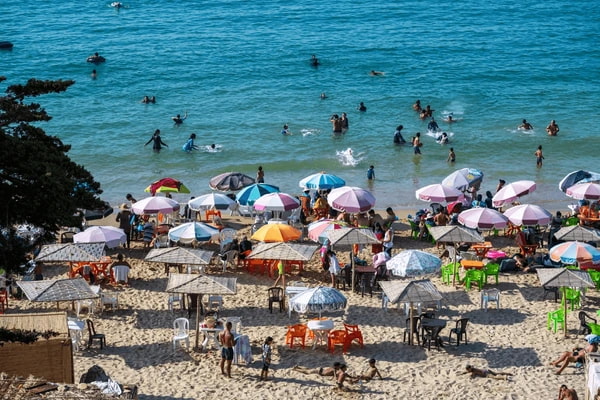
(276, 202)
(588, 191)
(317, 230)
(110, 235)
(351, 199)
(528, 214)
(439, 193)
(155, 205)
(482, 218)
(512, 191)
(574, 252)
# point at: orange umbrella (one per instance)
(277, 233)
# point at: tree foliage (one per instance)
(39, 184)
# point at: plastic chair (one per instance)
(226, 236)
(491, 269)
(555, 320)
(353, 333)
(595, 277)
(526, 249)
(93, 335)
(89, 304)
(449, 270)
(229, 259)
(474, 275)
(571, 221)
(111, 301)
(595, 328)
(416, 322)
(584, 320)
(489, 295)
(573, 296)
(336, 337)
(161, 241)
(276, 296)
(214, 303)
(295, 332)
(210, 213)
(175, 298)
(460, 330)
(548, 290)
(432, 335)
(414, 229)
(236, 324)
(181, 327)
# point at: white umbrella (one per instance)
(112, 236)
(155, 205)
(463, 178)
(276, 202)
(528, 214)
(438, 193)
(209, 201)
(512, 191)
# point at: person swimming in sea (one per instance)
(432, 126)
(376, 73)
(96, 59)
(314, 61)
(178, 119)
(525, 126)
(189, 145)
(285, 131)
(443, 138)
(361, 107)
(450, 118)
(398, 139)
(157, 141)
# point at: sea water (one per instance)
(242, 70)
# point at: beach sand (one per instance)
(512, 339)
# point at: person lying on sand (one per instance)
(574, 356)
(486, 373)
(328, 371)
(341, 376)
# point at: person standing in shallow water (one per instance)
(260, 175)
(539, 156)
(157, 141)
(371, 173)
(416, 142)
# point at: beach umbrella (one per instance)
(380, 258)
(588, 191)
(438, 193)
(71, 252)
(191, 231)
(98, 213)
(179, 255)
(482, 218)
(318, 300)
(321, 181)
(276, 233)
(351, 199)
(512, 191)
(200, 285)
(417, 291)
(574, 252)
(413, 263)
(579, 176)
(230, 181)
(578, 232)
(110, 235)
(211, 201)
(283, 251)
(57, 290)
(155, 205)
(463, 178)
(249, 194)
(528, 214)
(563, 278)
(317, 230)
(276, 202)
(166, 185)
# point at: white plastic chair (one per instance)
(175, 298)
(214, 303)
(489, 295)
(229, 259)
(181, 327)
(161, 241)
(226, 236)
(236, 324)
(90, 304)
(111, 301)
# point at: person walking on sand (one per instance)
(552, 129)
(280, 274)
(486, 373)
(371, 173)
(227, 343)
(266, 358)
(334, 266)
(451, 155)
(539, 156)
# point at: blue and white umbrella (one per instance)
(413, 263)
(248, 195)
(322, 181)
(211, 201)
(463, 178)
(318, 299)
(190, 231)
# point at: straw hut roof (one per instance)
(421, 291)
(283, 251)
(179, 255)
(57, 290)
(455, 234)
(71, 252)
(40, 322)
(350, 236)
(201, 284)
(564, 277)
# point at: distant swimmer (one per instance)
(146, 99)
(345, 122)
(157, 141)
(432, 126)
(336, 123)
(116, 4)
(552, 129)
(398, 139)
(417, 106)
(443, 138)
(94, 74)
(314, 61)
(323, 96)
(178, 119)
(96, 59)
(285, 131)
(376, 73)
(526, 126)
(427, 112)
(449, 119)
(189, 145)
(361, 107)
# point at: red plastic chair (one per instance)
(352, 334)
(210, 213)
(294, 332)
(526, 249)
(337, 337)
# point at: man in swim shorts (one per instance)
(226, 340)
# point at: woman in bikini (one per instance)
(486, 373)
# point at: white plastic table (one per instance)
(211, 334)
(321, 329)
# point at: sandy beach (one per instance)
(511, 339)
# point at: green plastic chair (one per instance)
(474, 275)
(571, 221)
(595, 277)
(573, 296)
(414, 229)
(556, 319)
(448, 270)
(573, 267)
(491, 269)
(595, 328)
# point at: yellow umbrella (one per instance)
(277, 233)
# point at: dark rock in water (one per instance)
(6, 45)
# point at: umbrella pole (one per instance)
(352, 267)
(565, 310)
(197, 321)
(454, 265)
(410, 319)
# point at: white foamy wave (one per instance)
(436, 135)
(309, 131)
(210, 149)
(348, 157)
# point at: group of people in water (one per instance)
(552, 129)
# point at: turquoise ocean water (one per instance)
(241, 70)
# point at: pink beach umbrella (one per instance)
(439, 193)
(276, 202)
(528, 214)
(317, 230)
(155, 205)
(512, 191)
(110, 235)
(351, 199)
(482, 218)
(588, 191)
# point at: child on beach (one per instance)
(539, 156)
(371, 173)
(266, 358)
(451, 155)
(486, 373)
(371, 372)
